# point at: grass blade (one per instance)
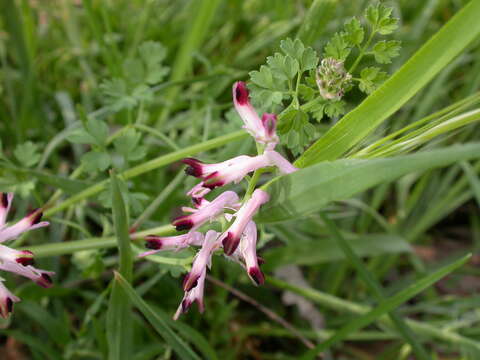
(316, 20)
(375, 288)
(177, 344)
(387, 305)
(312, 188)
(432, 57)
(119, 321)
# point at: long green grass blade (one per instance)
(432, 57)
(310, 189)
(375, 288)
(387, 305)
(316, 20)
(202, 17)
(119, 317)
(178, 345)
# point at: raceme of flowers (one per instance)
(18, 261)
(239, 239)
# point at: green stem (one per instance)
(362, 52)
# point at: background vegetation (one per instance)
(135, 86)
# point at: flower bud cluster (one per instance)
(332, 79)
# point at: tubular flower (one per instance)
(231, 237)
(246, 254)
(18, 261)
(234, 170)
(194, 281)
(208, 212)
(263, 130)
(175, 243)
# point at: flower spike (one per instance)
(231, 237)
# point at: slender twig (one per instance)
(272, 315)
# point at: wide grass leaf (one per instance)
(310, 189)
(325, 250)
(427, 62)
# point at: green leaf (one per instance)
(399, 88)
(379, 17)
(337, 48)
(178, 345)
(309, 60)
(335, 108)
(262, 78)
(98, 130)
(370, 79)
(127, 145)
(384, 51)
(317, 111)
(115, 94)
(282, 67)
(354, 32)
(81, 136)
(95, 161)
(324, 250)
(387, 305)
(310, 189)
(27, 154)
(292, 48)
(119, 317)
(153, 54)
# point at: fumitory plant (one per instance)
(285, 167)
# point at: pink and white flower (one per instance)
(18, 261)
(175, 243)
(208, 211)
(7, 299)
(194, 281)
(231, 237)
(246, 254)
(263, 130)
(234, 170)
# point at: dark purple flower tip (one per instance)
(189, 282)
(256, 275)
(230, 243)
(45, 280)
(4, 200)
(194, 167)
(9, 303)
(197, 201)
(212, 181)
(241, 93)
(36, 216)
(186, 305)
(153, 242)
(25, 258)
(183, 223)
(269, 122)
